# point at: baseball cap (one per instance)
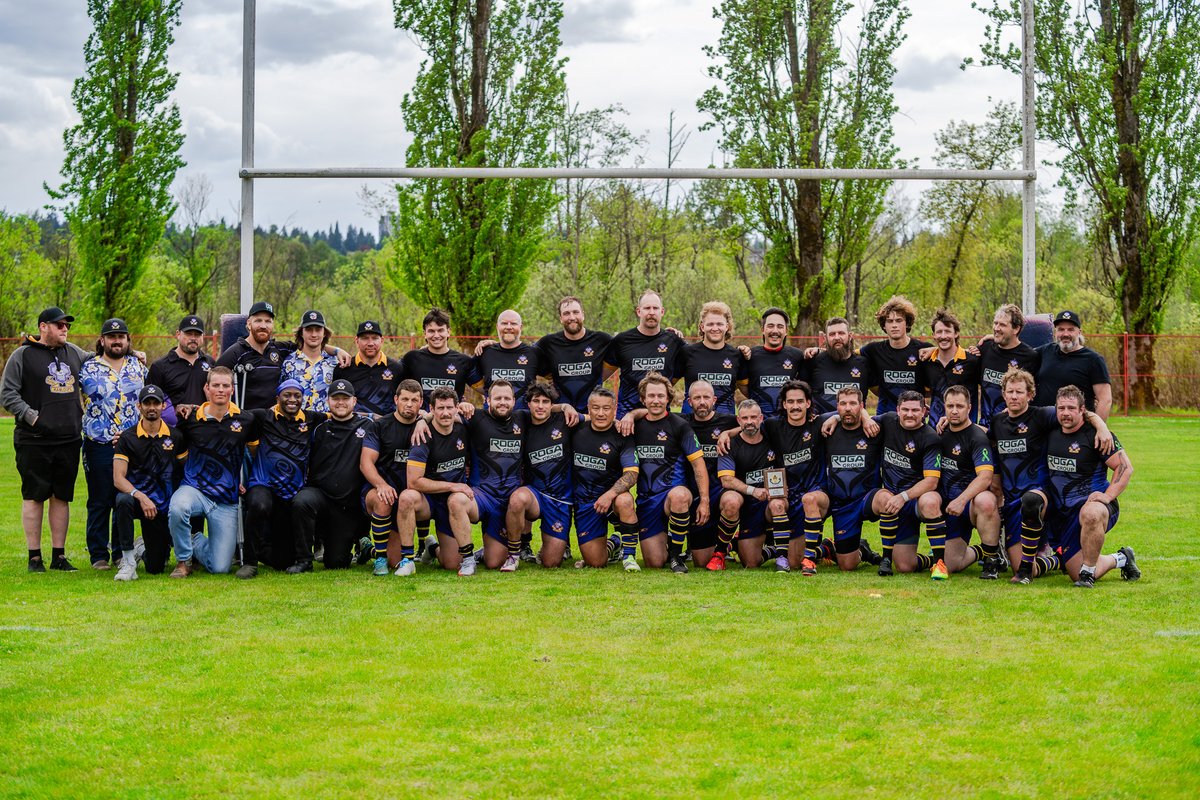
(54, 314)
(341, 386)
(114, 325)
(1068, 316)
(262, 307)
(369, 326)
(290, 383)
(191, 323)
(312, 318)
(151, 392)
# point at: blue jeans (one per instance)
(102, 496)
(214, 551)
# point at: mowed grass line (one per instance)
(595, 683)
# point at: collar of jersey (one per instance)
(280, 415)
(163, 430)
(202, 411)
(959, 355)
(381, 362)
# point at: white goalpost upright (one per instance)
(1027, 174)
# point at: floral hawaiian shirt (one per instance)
(314, 377)
(110, 397)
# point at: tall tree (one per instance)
(1116, 82)
(123, 154)
(488, 93)
(789, 95)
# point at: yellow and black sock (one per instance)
(935, 531)
(466, 550)
(888, 525)
(614, 545)
(989, 550)
(677, 530)
(781, 532)
(406, 551)
(1031, 539)
(514, 546)
(1044, 565)
(812, 538)
(924, 562)
(629, 538)
(726, 529)
(381, 528)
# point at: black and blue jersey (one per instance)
(548, 456)
(216, 449)
(664, 449)
(392, 440)
(599, 458)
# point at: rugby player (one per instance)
(497, 445)
(665, 444)
(639, 351)
(743, 504)
(546, 494)
(436, 364)
(773, 363)
(384, 465)
(948, 364)
(182, 371)
(605, 469)
(834, 367)
(713, 359)
(1083, 505)
(710, 429)
(573, 358)
(997, 355)
(852, 461)
(1066, 362)
(796, 438)
(966, 489)
(437, 473)
(507, 359)
(893, 362)
(309, 364)
(372, 374)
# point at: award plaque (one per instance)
(776, 483)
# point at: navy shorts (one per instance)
(1010, 518)
(492, 510)
(652, 514)
(439, 513)
(908, 524)
(753, 520)
(796, 507)
(1064, 529)
(959, 527)
(702, 537)
(591, 525)
(848, 517)
(555, 516)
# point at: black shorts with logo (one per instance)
(48, 470)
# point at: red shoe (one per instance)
(808, 568)
(716, 563)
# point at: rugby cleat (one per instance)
(676, 565)
(869, 555)
(1130, 571)
(885, 568)
(716, 563)
(990, 569)
(429, 551)
(1087, 579)
(808, 568)
(527, 555)
(405, 568)
(630, 564)
(939, 571)
(467, 568)
(127, 571)
(299, 568)
(381, 566)
(1024, 575)
(510, 564)
(782, 565)
(366, 550)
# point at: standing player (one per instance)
(640, 351)
(1083, 503)
(893, 362)
(546, 494)
(384, 465)
(713, 359)
(605, 469)
(852, 462)
(182, 371)
(708, 426)
(309, 364)
(372, 374)
(435, 365)
(948, 365)
(497, 443)
(1001, 353)
(773, 363)
(508, 359)
(835, 367)
(574, 356)
(742, 473)
(796, 438)
(966, 489)
(1066, 362)
(665, 444)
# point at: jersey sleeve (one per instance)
(931, 459)
(121, 447)
(628, 456)
(611, 351)
(725, 466)
(981, 455)
(371, 438)
(691, 445)
(1099, 370)
(418, 456)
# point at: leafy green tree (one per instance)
(24, 275)
(488, 93)
(790, 95)
(123, 154)
(1116, 86)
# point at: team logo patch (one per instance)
(368, 327)
(459, 444)
(606, 448)
(361, 433)
(727, 364)
(60, 379)
(556, 434)
(168, 444)
(114, 326)
(1012, 362)
(662, 436)
(302, 427)
(807, 437)
(589, 352)
(204, 365)
(1022, 428)
(387, 375)
(912, 361)
(716, 435)
(770, 455)
(956, 450)
(957, 369)
(274, 357)
(517, 430)
(862, 444)
(557, 527)
(522, 360)
(451, 369)
(910, 447)
(236, 425)
(787, 363)
(855, 372)
(312, 315)
(662, 347)
(1074, 448)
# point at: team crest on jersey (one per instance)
(606, 448)
(727, 364)
(451, 369)
(956, 450)
(387, 375)
(588, 351)
(862, 444)
(662, 347)
(1074, 448)
(236, 425)
(716, 435)
(60, 379)
(274, 357)
(168, 444)
(957, 369)
(1012, 362)
(1022, 427)
(459, 444)
(807, 437)
(556, 434)
(662, 436)
(855, 372)
(557, 527)
(910, 446)
(770, 455)
(204, 365)
(517, 430)
(912, 361)
(522, 360)
(787, 363)
(302, 427)
(361, 433)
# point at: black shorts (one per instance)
(48, 470)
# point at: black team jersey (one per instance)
(707, 432)
(827, 376)
(664, 448)
(548, 456)
(215, 452)
(497, 450)
(392, 439)
(853, 463)
(374, 384)
(599, 458)
(333, 461)
(748, 462)
(431, 370)
(637, 355)
(801, 452)
(151, 461)
(908, 456)
(724, 368)
(1019, 448)
(963, 370)
(280, 462)
(520, 366)
(767, 372)
(1076, 467)
(444, 456)
(993, 363)
(259, 374)
(181, 382)
(893, 370)
(1083, 368)
(576, 366)
(966, 454)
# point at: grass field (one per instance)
(597, 683)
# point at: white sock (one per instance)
(1088, 568)
(1119, 557)
(127, 557)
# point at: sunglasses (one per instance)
(64, 326)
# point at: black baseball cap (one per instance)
(369, 326)
(341, 386)
(262, 307)
(312, 318)
(1069, 316)
(191, 323)
(54, 314)
(114, 325)
(151, 392)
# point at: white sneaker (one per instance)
(406, 567)
(467, 568)
(630, 564)
(127, 571)
(429, 553)
(139, 549)
(510, 564)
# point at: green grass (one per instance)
(597, 683)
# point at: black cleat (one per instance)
(366, 551)
(885, 568)
(1024, 574)
(1130, 571)
(37, 565)
(991, 569)
(869, 555)
(299, 567)
(676, 565)
(1087, 579)
(527, 555)
(61, 564)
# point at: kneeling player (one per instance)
(436, 491)
(1083, 503)
(742, 472)
(384, 463)
(605, 469)
(852, 464)
(711, 429)
(497, 446)
(966, 485)
(797, 440)
(547, 493)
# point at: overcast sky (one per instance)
(331, 74)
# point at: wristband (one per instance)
(749, 490)
(904, 494)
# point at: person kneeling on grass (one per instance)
(965, 485)
(143, 473)
(742, 472)
(605, 469)
(547, 493)
(384, 464)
